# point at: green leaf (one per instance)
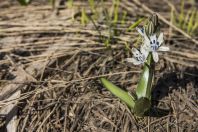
(144, 86)
(125, 96)
(143, 90)
(142, 105)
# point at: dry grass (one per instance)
(55, 63)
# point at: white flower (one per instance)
(140, 31)
(152, 44)
(139, 57)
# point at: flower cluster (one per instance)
(151, 44)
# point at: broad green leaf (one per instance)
(144, 86)
(143, 90)
(123, 95)
(142, 105)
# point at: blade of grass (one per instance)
(127, 46)
(195, 26)
(134, 25)
(191, 21)
(186, 21)
(84, 17)
(181, 16)
(173, 16)
(123, 17)
(116, 8)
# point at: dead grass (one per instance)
(55, 63)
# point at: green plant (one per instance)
(140, 100)
(111, 19)
(186, 21)
(84, 17)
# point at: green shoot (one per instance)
(107, 43)
(135, 24)
(181, 16)
(116, 10)
(186, 21)
(191, 21)
(123, 17)
(84, 17)
(195, 27)
(92, 5)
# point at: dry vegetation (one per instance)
(50, 66)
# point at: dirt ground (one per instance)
(50, 65)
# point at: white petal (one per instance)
(144, 50)
(147, 47)
(140, 31)
(136, 52)
(153, 37)
(160, 39)
(155, 56)
(164, 48)
(134, 61)
(146, 40)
